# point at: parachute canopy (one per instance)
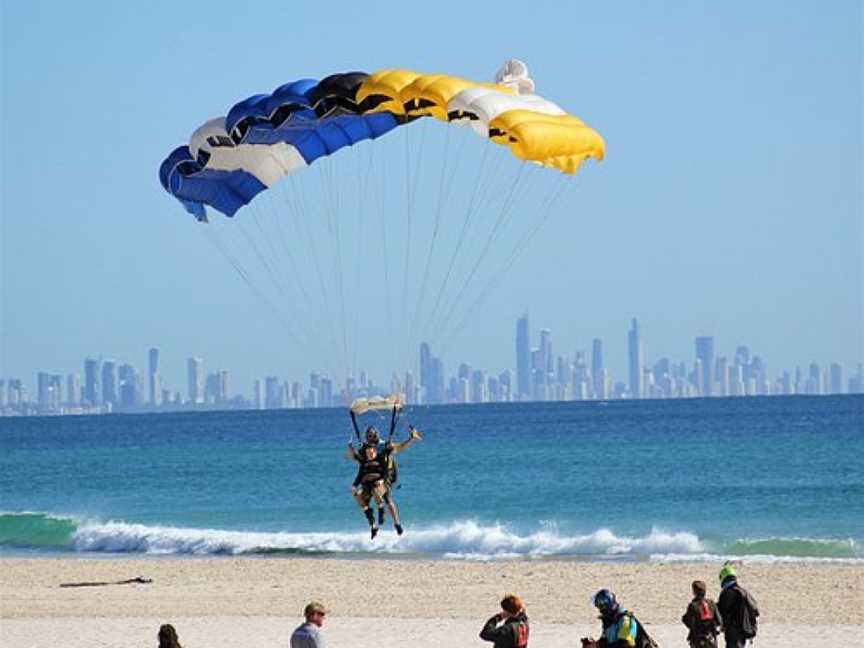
(363, 405)
(231, 159)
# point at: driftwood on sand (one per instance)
(137, 579)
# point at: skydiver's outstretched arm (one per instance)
(413, 435)
(354, 423)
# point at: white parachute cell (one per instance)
(267, 162)
(479, 106)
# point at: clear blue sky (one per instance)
(730, 202)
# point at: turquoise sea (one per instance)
(764, 478)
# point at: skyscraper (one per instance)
(109, 382)
(92, 393)
(705, 353)
(130, 386)
(597, 377)
(195, 380)
(523, 359)
(837, 382)
(636, 359)
(154, 383)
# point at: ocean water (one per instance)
(772, 479)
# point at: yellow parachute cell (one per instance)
(559, 141)
(508, 113)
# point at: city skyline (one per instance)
(536, 374)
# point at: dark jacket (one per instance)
(698, 627)
(733, 610)
(509, 633)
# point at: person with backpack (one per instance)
(738, 609)
(702, 618)
(508, 628)
(621, 629)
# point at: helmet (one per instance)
(604, 600)
(371, 434)
(727, 571)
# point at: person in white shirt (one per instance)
(308, 634)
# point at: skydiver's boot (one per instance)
(370, 517)
(398, 528)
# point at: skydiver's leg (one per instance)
(391, 504)
(363, 497)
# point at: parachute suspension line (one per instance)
(444, 159)
(269, 247)
(302, 228)
(214, 238)
(272, 267)
(411, 190)
(470, 210)
(332, 211)
(295, 277)
(444, 200)
(521, 245)
(502, 217)
(379, 187)
(362, 184)
(291, 274)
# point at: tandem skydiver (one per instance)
(376, 473)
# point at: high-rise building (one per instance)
(195, 380)
(273, 392)
(856, 382)
(258, 395)
(154, 381)
(92, 393)
(705, 353)
(721, 376)
(836, 381)
(523, 359)
(478, 387)
(109, 382)
(814, 380)
(44, 397)
(130, 386)
(597, 369)
(546, 361)
(2, 395)
(636, 359)
(73, 390)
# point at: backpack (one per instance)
(643, 639)
(521, 634)
(749, 613)
(707, 622)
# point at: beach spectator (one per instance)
(168, 637)
(308, 634)
(701, 618)
(508, 628)
(620, 627)
(738, 609)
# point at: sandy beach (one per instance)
(256, 602)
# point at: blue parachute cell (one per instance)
(194, 186)
(314, 139)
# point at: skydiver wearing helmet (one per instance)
(620, 627)
(376, 473)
